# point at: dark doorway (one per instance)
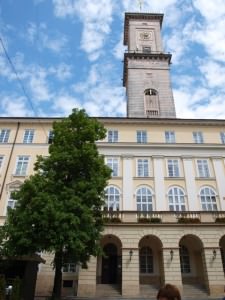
(109, 264)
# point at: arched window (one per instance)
(208, 199)
(112, 198)
(184, 260)
(176, 199)
(144, 199)
(146, 260)
(151, 103)
(223, 258)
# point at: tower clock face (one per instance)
(146, 35)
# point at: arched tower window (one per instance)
(151, 103)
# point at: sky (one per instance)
(62, 54)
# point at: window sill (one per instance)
(205, 178)
(143, 177)
(174, 178)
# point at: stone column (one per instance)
(218, 165)
(87, 279)
(171, 264)
(160, 203)
(128, 183)
(130, 272)
(190, 184)
(213, 271)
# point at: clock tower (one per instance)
(146, 68)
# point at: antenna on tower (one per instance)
(140, 4)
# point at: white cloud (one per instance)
(210, 9)
(96, 16)
(214, 74)
(119, 49)
(43, 38)
(14, 106)
(62, 71)
(64, 103)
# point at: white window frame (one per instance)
(173, 168)
(146, 260)
(28, 136)
(50, 136)
(208, 199)
(4, 135)
(113, 164)
(184, 260)
(113, 136)
(22, 164)
(142, 167)
(141, 136)
(112, 198)
(176, 199)
(2, 157)
(69, 268)
(11, 202)
(170, 137)
(222, 137)
(203, 168)
(198, 137)
(144, 199)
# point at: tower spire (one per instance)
(140, 4)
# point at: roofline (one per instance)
(139, 16)
(122, 120)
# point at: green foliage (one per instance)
(189, 220)
(16, 289)
(220, 220)
(149, 220)
(2, 287)
(59, 207)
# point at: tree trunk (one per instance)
(58, 261)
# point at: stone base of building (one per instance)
(86, 290)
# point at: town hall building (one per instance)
(165, 203)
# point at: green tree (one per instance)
(2, 287)
(59, 207)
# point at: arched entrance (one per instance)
(222, 251)
(109, 266)
(150, 261)
(191, 261)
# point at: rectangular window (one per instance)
(222, 137)
(146, 49)
(50, 136)
(113, 164)
(141, 136)
(203, 168)
(28, 136)
(142, 167)
(4, 135)
(170, 137)
(113, 136)
(11, 202)
(69, 268)
(1, 161)
(21, 166)
(198, 137)
(173, 168)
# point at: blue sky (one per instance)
(68, 53)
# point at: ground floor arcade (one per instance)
(137, 256)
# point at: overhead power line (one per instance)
(20, 81)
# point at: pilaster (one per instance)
(130, 272)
